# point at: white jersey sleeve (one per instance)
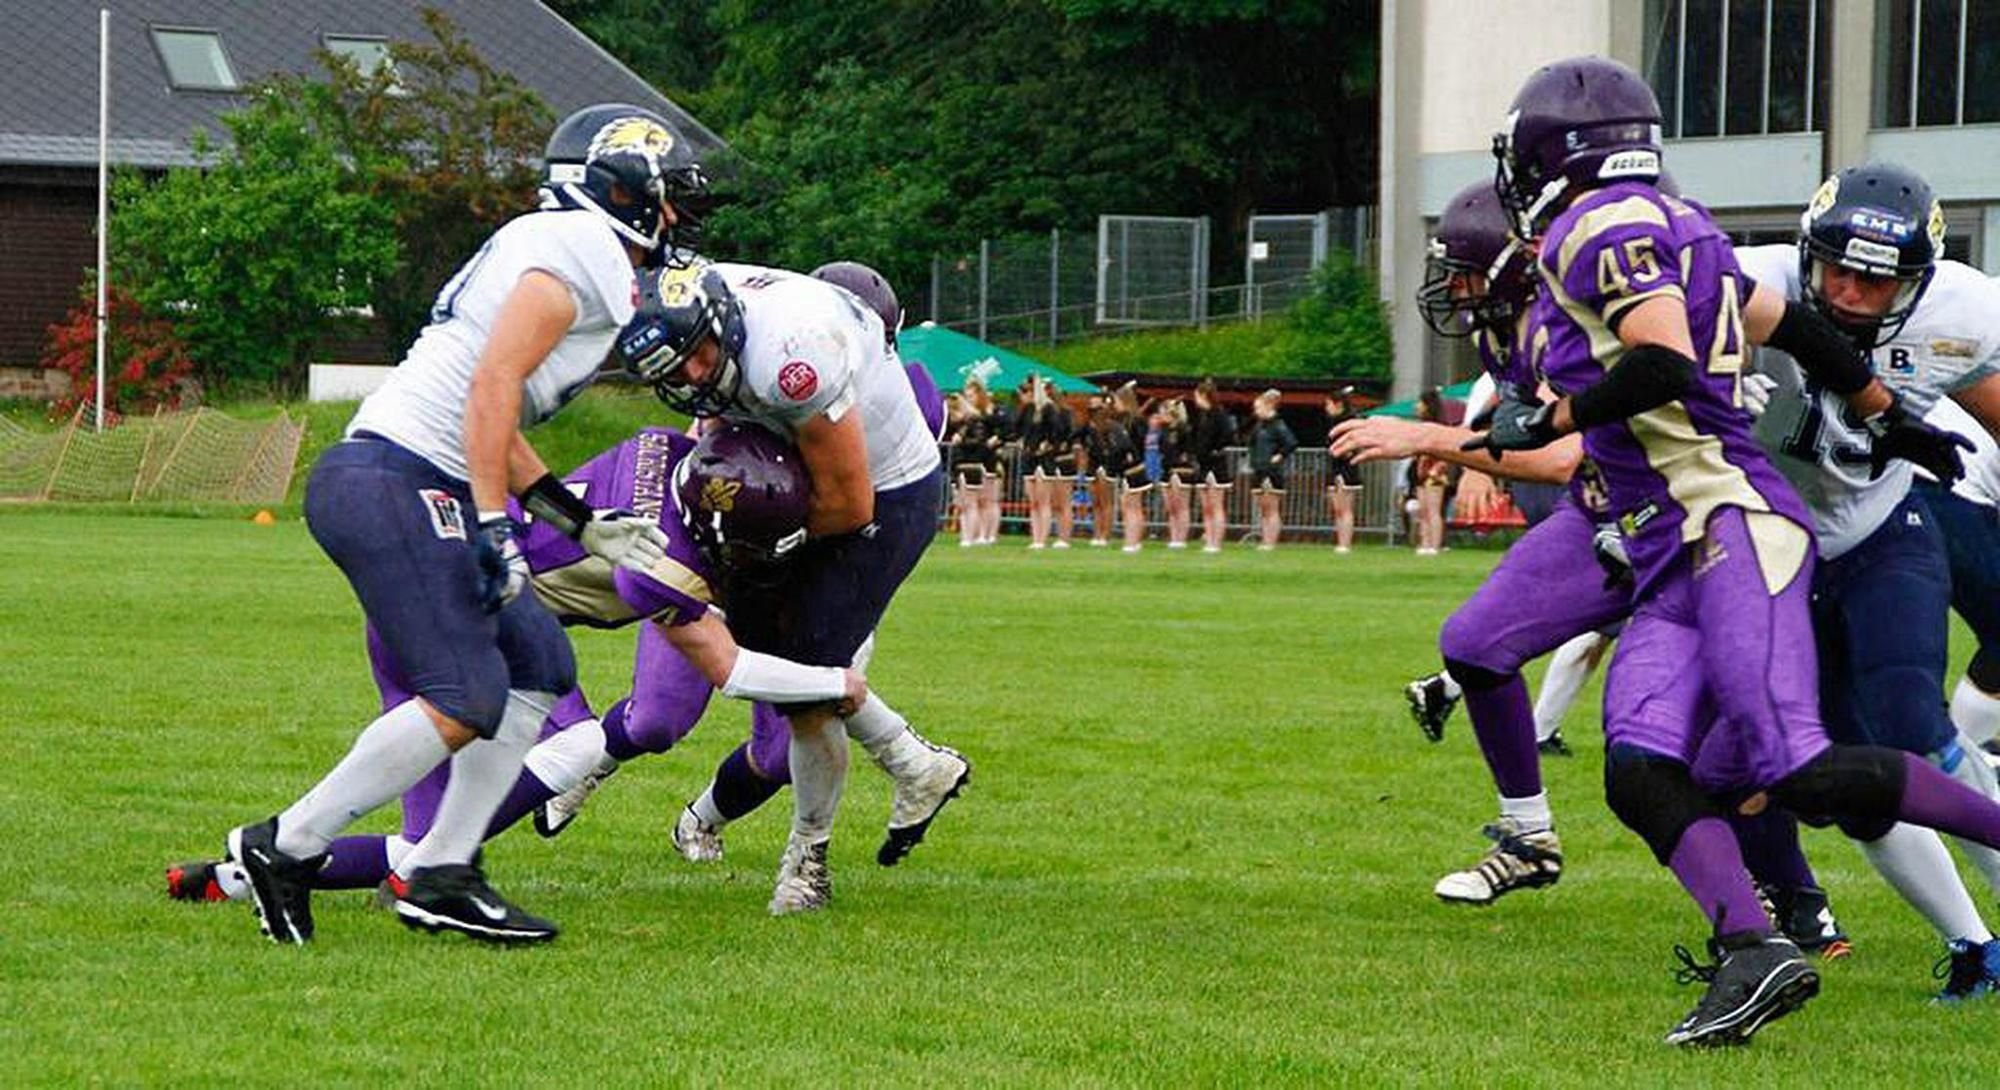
(1949, 343)
(1981, 483)
(422, 405)
(811, 349)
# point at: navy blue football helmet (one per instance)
(744, 493)
(1475, 239)
(1577, 124)
(1881, 220)
(625, 163)
(679, 309)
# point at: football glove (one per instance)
(624, 539)
(503, 570)
(1757, 390)
(1517, 425)
(1608, 546)
(1897, 434)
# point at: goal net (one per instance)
(196, 455)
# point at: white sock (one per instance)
(1531, 814)
(229, 877)
(481, 775)
(887, 737)
(705, 810)
(1451, 688)
(1973, 771)
(1976, 713)
(1915, 863)
(387, 758)
(1568, 669)
(563, 759)
(819, 772)
(396, 849)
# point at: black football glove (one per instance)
(1517, 425)
(1897, 434)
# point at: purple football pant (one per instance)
(669, 695)
(1545, 591)
(1717, 671)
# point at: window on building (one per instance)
(1923, 52)
(194, 59)
(1734, 67)
(368, 54)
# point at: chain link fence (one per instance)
(1134, 272)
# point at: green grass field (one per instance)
(1198, 850)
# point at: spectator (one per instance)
(1433, 479)
(1343, 478)
(1212, 429)
(1048, 462)
(1137, 480)
(1101, 450)
(975, 461)
(1176, 470)
(1271, 445)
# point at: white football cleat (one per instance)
(804, 884)
(1517, 860)
(696, 842)
(553, 816)
(919, 798)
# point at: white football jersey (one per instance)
(1949, 343)
(1981, 483)
(812, 349)
(422, 405)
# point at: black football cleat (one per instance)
(280, 885)
(1430, 705)
(1806, 918)
(456, 897)
(1758, 978)
(1554, 746)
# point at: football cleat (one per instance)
(390, 890)
(1806, 918)
(804, 883)
(280, 885)
(1969, 970)
(1517, 860)
(1430, 705)
(1554, 746)
(456, 897)
(1758, 978)
(195, 881)
(553, 816)
(919, 799)
(696, 842)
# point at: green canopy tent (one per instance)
(1408, 409)
(952, 358)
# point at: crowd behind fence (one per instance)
(1377, 508)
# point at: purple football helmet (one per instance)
(871, 288)
(743, 492)
(1577, 124)
(1475, 239)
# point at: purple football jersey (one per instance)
(636, 475)
(1668, 469)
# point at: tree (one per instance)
(1340, 329)
(251, 253)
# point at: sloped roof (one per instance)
(48, 89)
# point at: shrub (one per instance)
(146, 365)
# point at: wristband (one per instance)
(549, 500)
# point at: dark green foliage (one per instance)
(1339, 329)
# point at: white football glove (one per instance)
(1757, 390)
(624, 539)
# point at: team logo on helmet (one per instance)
(719, 495)
(677, 285)
(1936, 227)
(634, 134)
(1829, 192)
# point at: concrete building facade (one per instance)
(1762, 99)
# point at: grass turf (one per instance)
(1198, 849)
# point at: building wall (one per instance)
(49, 242)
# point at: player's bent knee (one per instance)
(1476, 678)
(1860, 788)
(1654, 796)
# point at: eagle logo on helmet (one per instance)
(1829, 192)
(719, 495)
(677, 284)
(634, 134)
(1936, 227)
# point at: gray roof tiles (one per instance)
(48, 67)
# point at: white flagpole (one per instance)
(103, 190)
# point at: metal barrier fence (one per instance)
(1378, 509)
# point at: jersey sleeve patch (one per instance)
(798, 380)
